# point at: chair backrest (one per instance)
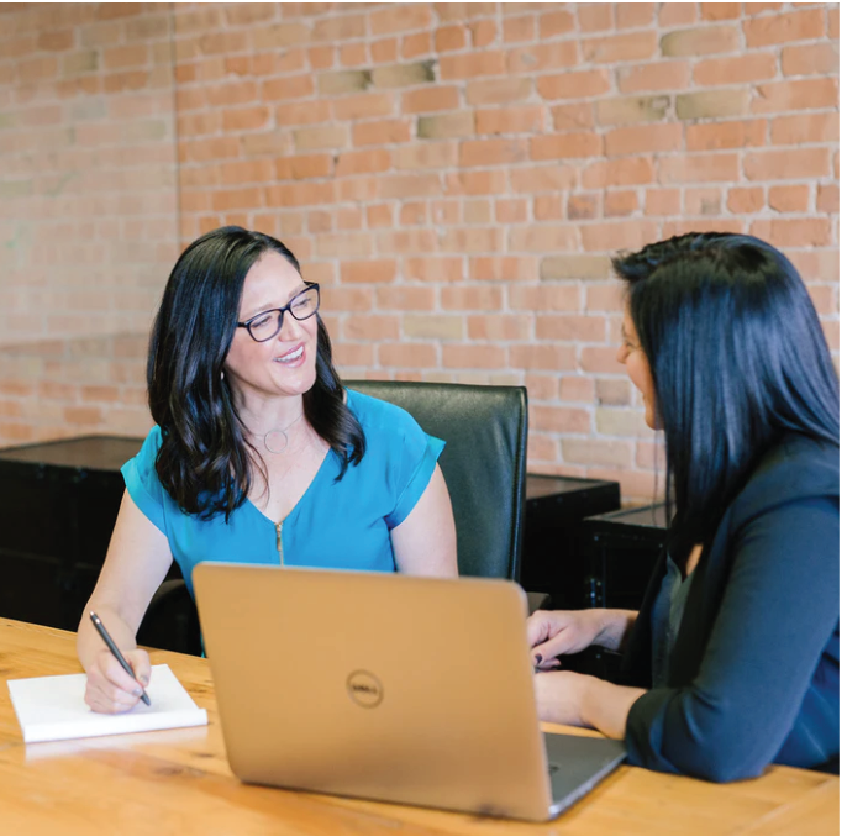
(484, 463)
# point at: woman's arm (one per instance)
(425, 542)
(137, 561)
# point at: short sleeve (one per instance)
(142, 481)
(400, 458)
(421, 456)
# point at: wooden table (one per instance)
(178, 782)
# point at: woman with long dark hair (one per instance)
(731, 662)
(258, 453)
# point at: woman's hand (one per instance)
(109, 688)
(555, 633)
(570, 698)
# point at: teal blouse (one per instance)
(341, 525)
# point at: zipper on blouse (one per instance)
(279, 528)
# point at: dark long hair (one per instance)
(204, 460)
(737, 357)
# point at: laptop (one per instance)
(388, 687)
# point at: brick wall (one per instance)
(456, 175)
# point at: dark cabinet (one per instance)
(58, 504)
(555, 560)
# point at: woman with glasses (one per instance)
(731, 662)
(258, 453)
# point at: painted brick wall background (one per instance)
(456, 175)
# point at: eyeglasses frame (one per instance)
(246, 324)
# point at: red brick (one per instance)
(435, 269)
(408, 355)
(304, 167)
(705, 201)
(498, 91)
(518, 29)
(805, 128)
(471, 298)
(416, 45)
(524, 119)
(618, 235)
(795, 95)
(827, 198)
(464, 11)
(641, 139)
(745, 200)
(583, 207)
(800, 232)
(382, 132)
(594, 17)
(581, 144)
(560, 419)
(710, 136)
(810, 59)
(543, 237)
(721, 11)
(574, 85)
(470, 240)
(363, 162)
(556, 22)
(544, 356)
(379, 215)
(799, 25)
(510, 210)
(552, 55)
(503, 268)
(662, 202)
(336, 28)
(693, 168)
(471, 65)
(540, 178)
(384, 51)
(406, 298)
(620, 203)
(739, 69)
(610, 49)
(626, 171)
(659, 75)
(374, 271)
(788, 164)
(501, 327)
(472, 356)
(492, 152)
(449, 38)
(573, 117)
(400, 18)
(541, 298)
(794, 198)
(549, 207)
(427, 100)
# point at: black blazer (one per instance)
(753, 676)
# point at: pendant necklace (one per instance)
(275, 437)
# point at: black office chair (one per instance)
(483, 463)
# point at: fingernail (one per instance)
(538, 658)
(137, 693)
(144, 679)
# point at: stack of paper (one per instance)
(54, 708)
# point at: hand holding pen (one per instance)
(120, 658)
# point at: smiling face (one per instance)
(285, 364)
(636, 364)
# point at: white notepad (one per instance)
(54, 708)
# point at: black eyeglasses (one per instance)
(266, 325)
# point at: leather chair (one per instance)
(483, 463)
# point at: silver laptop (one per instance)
(388, 687)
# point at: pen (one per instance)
(97, 624)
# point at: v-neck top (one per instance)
(340, 525)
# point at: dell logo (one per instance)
(364, 688)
